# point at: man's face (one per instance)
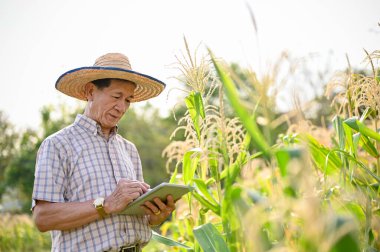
(108, 105)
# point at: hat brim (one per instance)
(73, 82)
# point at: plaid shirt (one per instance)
(78, 164)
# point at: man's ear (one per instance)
(89, 91)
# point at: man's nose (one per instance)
(122, 106)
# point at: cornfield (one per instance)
(257, 188)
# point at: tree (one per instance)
(8, 140)
(20, 172)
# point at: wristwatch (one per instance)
(99, 206)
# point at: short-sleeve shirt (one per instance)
(77, 164)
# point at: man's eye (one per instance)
(116, 97)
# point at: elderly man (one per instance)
(86, 173)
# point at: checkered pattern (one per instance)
(79, 164)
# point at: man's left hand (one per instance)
(158, 211)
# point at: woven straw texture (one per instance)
(111, 65)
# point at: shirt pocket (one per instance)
(126, 165)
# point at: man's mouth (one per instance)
(115, 117)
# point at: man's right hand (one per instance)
(126, 191)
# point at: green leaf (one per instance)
(233, 97)
(360, 127)
(349, 240)
(232, 171)
(355, 142)
(238, 202)
(207, 204)
(190, 163)
(173, 177)
(352, 140)
(284, 156)
(169, 242)
(326, 160)
(368, 146)
(365, 114)
(356, 161)
(210, 239)
(290, 191)
(194, 104)
(201, 185)
(357, 210)
(339, 128)
(282, 159)
(213, 167)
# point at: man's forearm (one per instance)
(63, 216)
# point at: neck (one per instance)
(105, 130)
(106, 133)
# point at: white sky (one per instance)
(41, 39)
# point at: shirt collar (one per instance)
(92, 126)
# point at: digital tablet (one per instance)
(161, 191)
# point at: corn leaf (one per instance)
(327, 161)
(351, 140)
(210, 239)
(357, 210)
(169, 242)
(190, 162)
(233, 97)
(339, 129)
(202, 187)
(360, 127)
(368, 146)
(173, 177)
(356, 161)
(283, 156)
(232, 171)
(194, 104)
(346, 242)
(205, 203)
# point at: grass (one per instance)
(18, 233)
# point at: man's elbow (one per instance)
(39, 220)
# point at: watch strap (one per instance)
(99, 206)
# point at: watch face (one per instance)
(99, 202)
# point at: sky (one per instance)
(42, 39)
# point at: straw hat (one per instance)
(111, 65)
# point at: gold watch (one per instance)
(99, 206)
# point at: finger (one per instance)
(146, 186)
(132, 190)
(134, 195)
(147, 210)
(170, 201)
(132, 184)
(159, 203)
(151, 206)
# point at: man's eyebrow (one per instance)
(121, 94)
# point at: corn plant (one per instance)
(252, 195)
(209, 159)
